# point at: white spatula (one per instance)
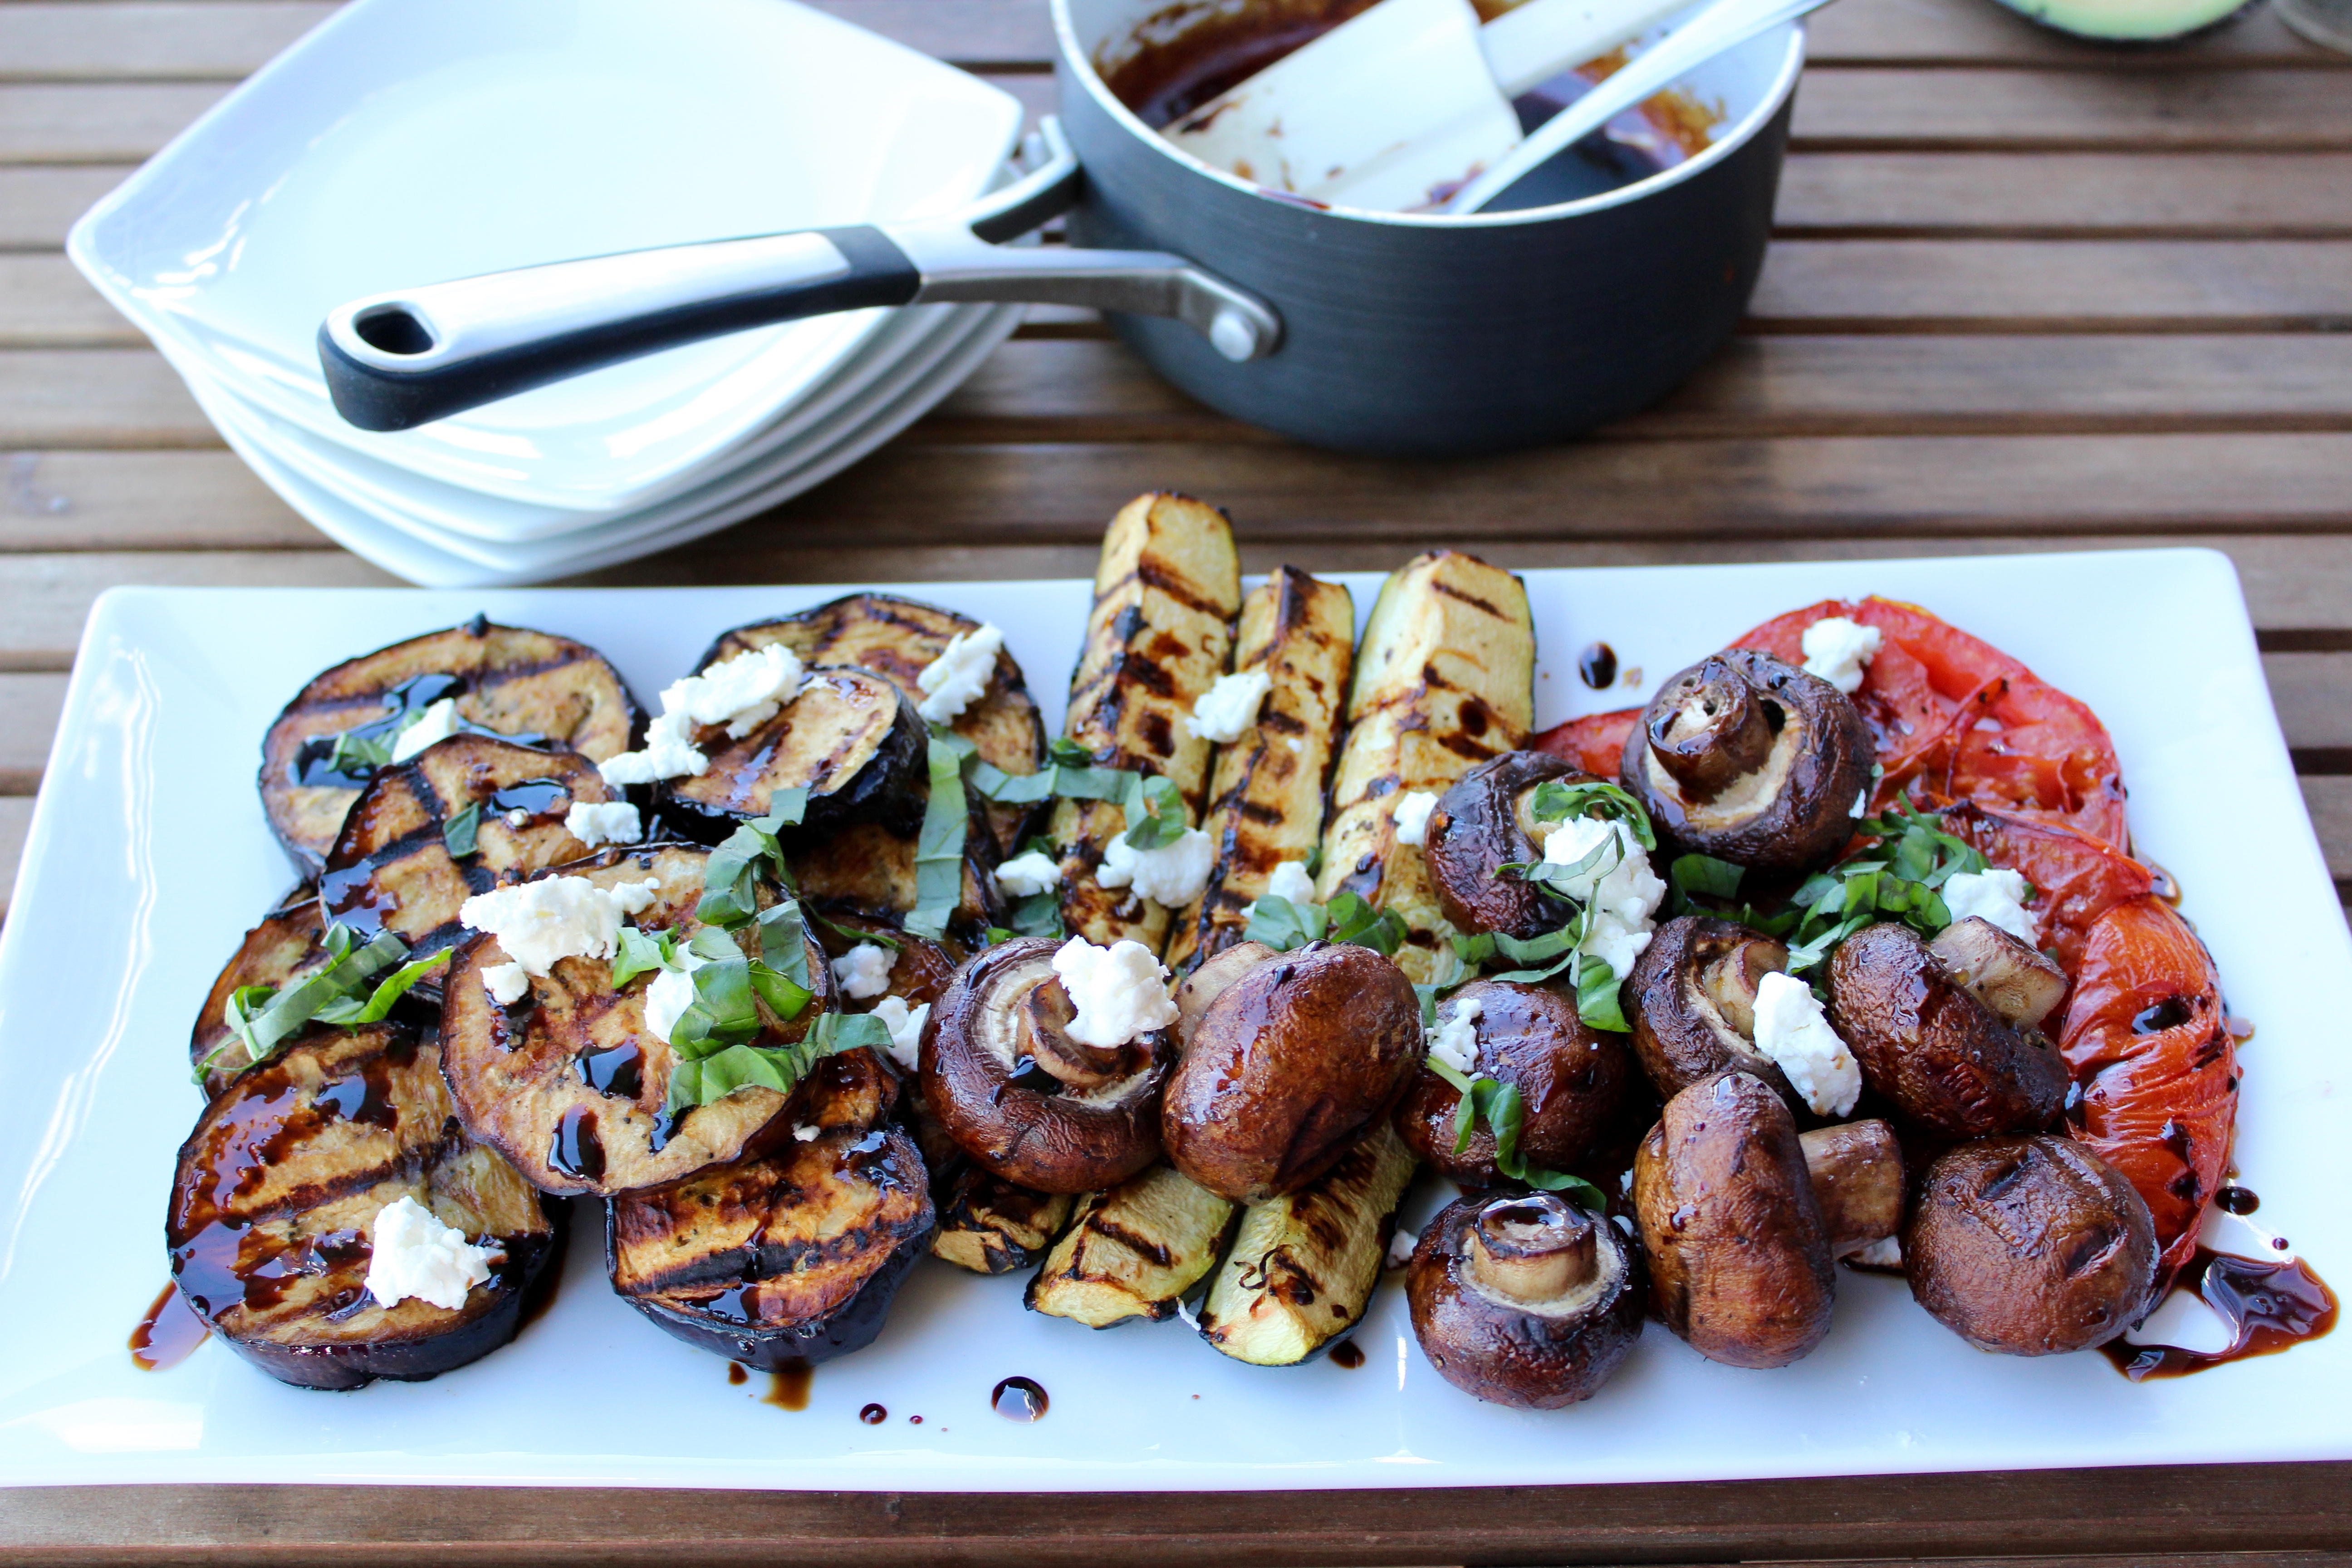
(1396, 107)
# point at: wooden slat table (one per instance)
(2026, 295)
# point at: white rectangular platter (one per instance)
(149, 857)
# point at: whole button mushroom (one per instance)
(1021, 1095)
(1571, 1077)
(1525, 1299)
(1288, 1065)
(1857, 1172)
(1948, 1030)
(2030, 1247)
(1484, 823)
(1740, 1254)
(1752, 761)
(1691, 998)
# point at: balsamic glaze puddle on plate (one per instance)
(1349, 1354)
(2268, 1306)
(788, 1385)
(874, 1415)
(1018, 1399)
(1597, 666)
(168, 1334)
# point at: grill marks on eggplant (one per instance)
(283, 947)
(1267, 788)
(390, 868)
(1444, 681)
(898, 639)
(1166, 590)
(277, 1188)
(792, 1256)
(990, 1225)
(506, 678)
(524, 1076)
(850, 736)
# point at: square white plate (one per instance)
(149, 857)
(404, 142)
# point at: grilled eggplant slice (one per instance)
(506, 678)
(1445, 681)
(1266, 793)
(849, 737)
(990, 1225)
(1166, 591)
(792, 1256)
(899, 638)
(868, 869)
(284, 946)
(1134, 1250)
(1302, 1266)
(396, 867)
(571, 1084)
(279, 1184)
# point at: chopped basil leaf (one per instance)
(707, 1070)
(349, 1011)
(1504, 1110)
(938, 849)
(785, 997)
(642, 952)
(1556, 801)
(731, 877)
(1283, 925)
(1704, 876)
(1596, 995)
(461, 829)
(852, 934)
(783, 942)
(1897, 877)
(1038, 914)
(264, 1017)
(1350, 919)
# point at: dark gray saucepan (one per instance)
(1367, 331)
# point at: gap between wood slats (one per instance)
(142, 40)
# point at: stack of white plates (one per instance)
(408, 141)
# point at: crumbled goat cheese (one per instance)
(1622, 892)
(1228, 706)
(1997, 896)
(670, 994)
(1119, 992)
(412, 1252)
(506, 983)
(1790, 1029)
(1455, 1042)
(1861, 803)
(1024, 876)
(556, 917)
(1401, 1248)
(1886, 1252)
(1172, 875)
(1412, 815)
(1837, 649)
(954, 681)
(864, 970)
(804, 1132)
(742, 693)
(594, 822)
(906, 1027)
(438, 723)
(1291, 881)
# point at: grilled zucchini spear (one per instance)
(517, 682)
(1445, 680)
(1134, 1250)
(1166, 591)
(1266, 792)
(1302, 1266)
(278, 1192)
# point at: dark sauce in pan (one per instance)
(168, 1334)
(2268, 1307)
(1018, 1399)
(1597, 666)
(1185, 60)
(1348, 1354)
(788, 1385)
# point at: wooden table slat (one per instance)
(2073, 194)
(153, 39)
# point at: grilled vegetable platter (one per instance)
(833, 966)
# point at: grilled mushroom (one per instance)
(850, 738)
(1021, 1096)
(1693, 996)
(1739, 1254)
(1287, 1067)
(1857, 1172)
(1752, 761)
(1915, 1015)
(1483, 823)
(1570, 1078)
(1524, 1298)
(2030, 1247)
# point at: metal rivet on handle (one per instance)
(1233, 335)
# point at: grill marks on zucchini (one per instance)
(524, 1077)
(390, 868)
(1133, 1251)
(1266, 791)
(1302, 1268)
(850, 738)
(1444, 681)
(505, 679)
(1166, 591)
(279, 1185)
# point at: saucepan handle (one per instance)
(397, 360)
